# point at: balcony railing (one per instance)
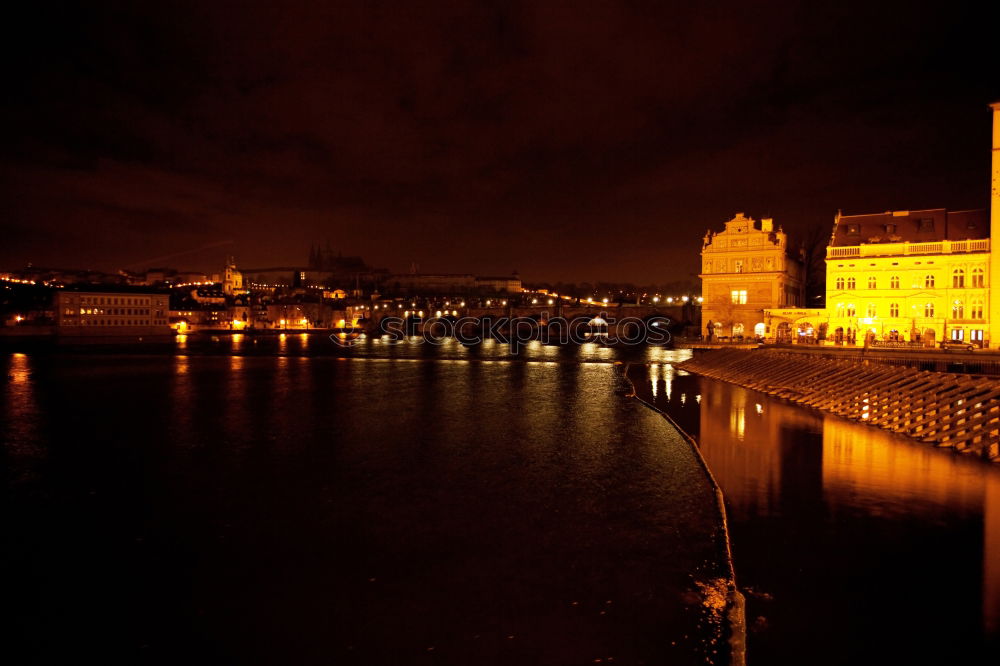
(900, 249)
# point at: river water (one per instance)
(285, 500)
(852, 545)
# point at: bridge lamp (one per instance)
(656, 299)
(551, 301)
(605, 301)
(700, 299)
(685, 299)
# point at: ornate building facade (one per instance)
(747, 269)
(909, 276)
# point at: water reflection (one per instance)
(312, 344)
(20, 420)
(845, 535)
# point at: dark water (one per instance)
(378, 509)
(856, 546)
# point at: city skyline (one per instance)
(471, 139)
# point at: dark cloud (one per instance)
(567, 140)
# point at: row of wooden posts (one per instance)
(947, 409)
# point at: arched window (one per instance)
(851, 284)
(978, 277)
(894, 310)
(958, 278)
(871, 310)
(976, 308)
(840, 309)
(957, 310)
(928, 309)
(872, 282)
(840, 283)
(894, 282)
(929, 282)
(850, 309)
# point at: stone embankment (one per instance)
(946, 409)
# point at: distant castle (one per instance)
(326, 260)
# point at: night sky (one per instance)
(568, 141)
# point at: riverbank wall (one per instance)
(947, 409)
(735, 604)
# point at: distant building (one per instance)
(232, 280)
(110, 312)
(437, 283)
(747, 269)
(499, 285)
(452, 283)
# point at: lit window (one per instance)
(976, 308)
(928, 309)
(958, 278)
(929, 282)
(739, 296)
(894, 310)
(840, 309)
(894, 282)
(957, 310)
(850, 310)
(978, 277)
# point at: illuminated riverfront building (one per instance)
(914, 277)
(745, 270)
(110, 312)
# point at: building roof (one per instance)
(914, 226)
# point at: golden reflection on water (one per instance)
(991, 557)
(749, 441)
(20, 410)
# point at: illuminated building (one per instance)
(232, 279)
(909, 277)
(495, 285)
(745, 270)
(110, 312)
